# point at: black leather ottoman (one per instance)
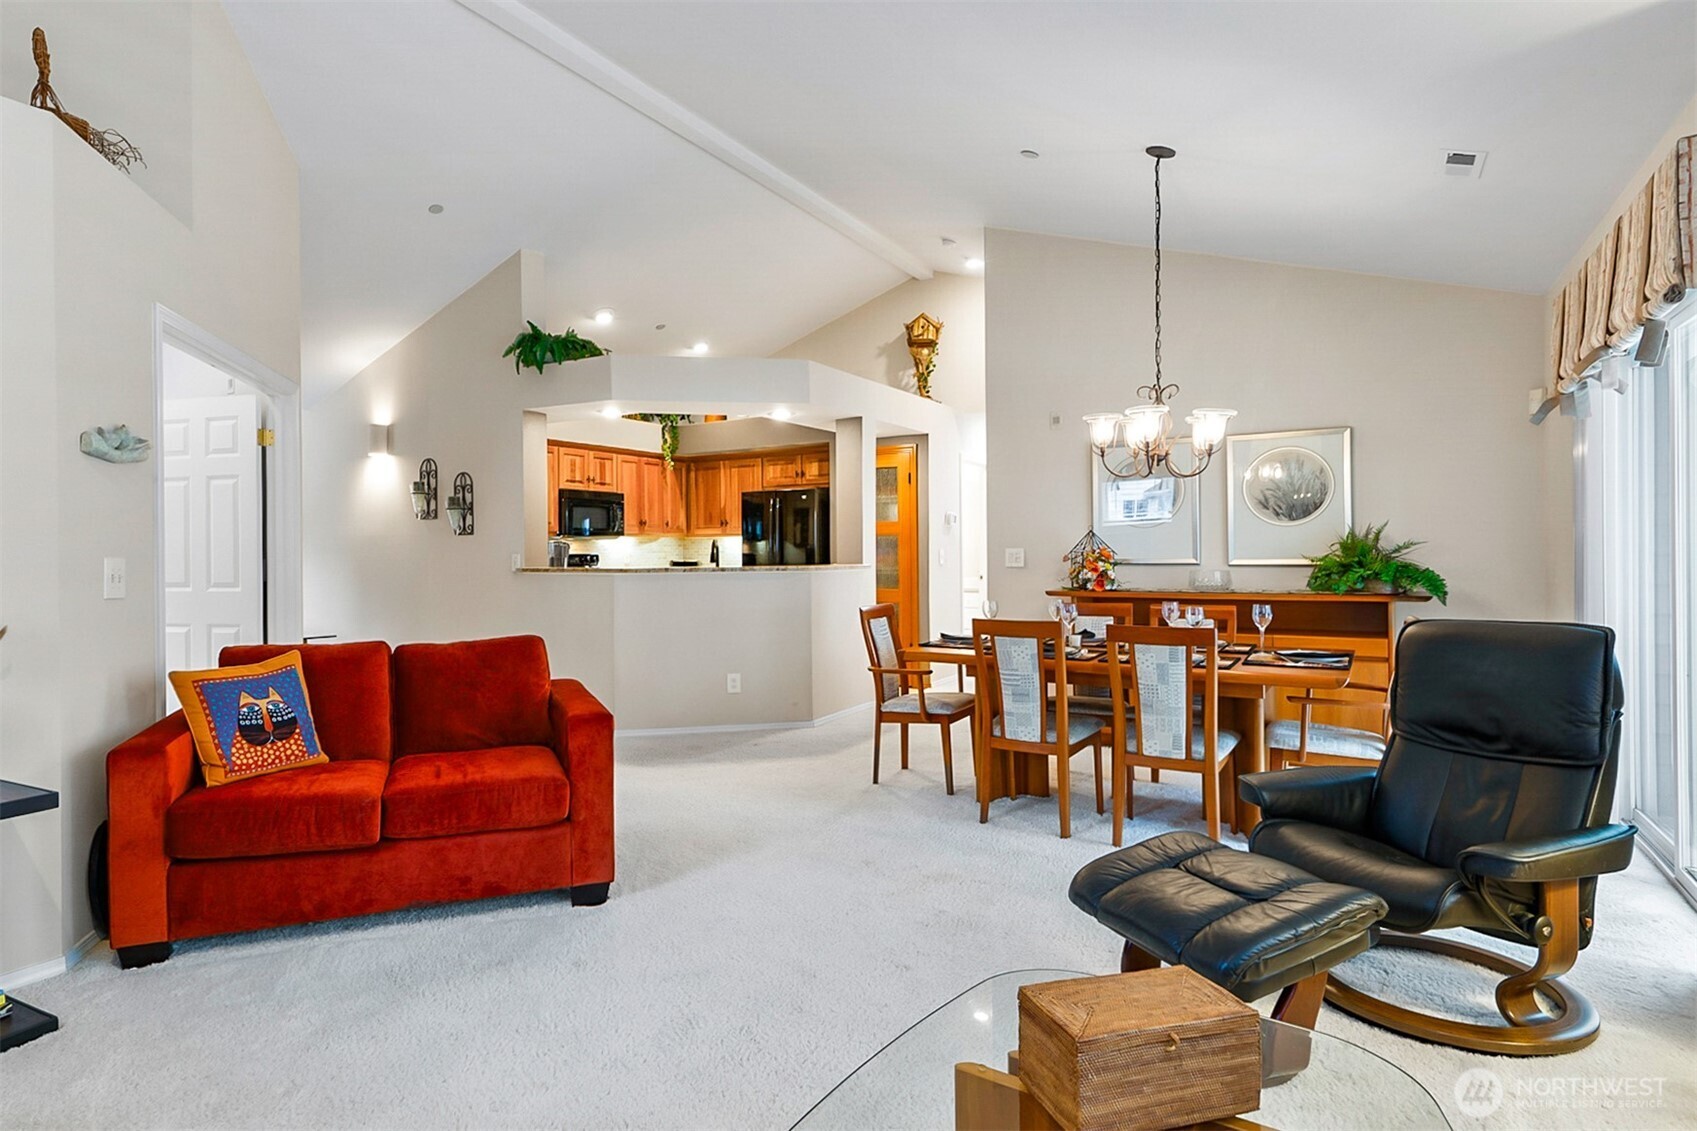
(1247, 923)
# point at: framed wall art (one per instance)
(1154, 521)
(1287, 495)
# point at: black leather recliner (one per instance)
(1490, 811)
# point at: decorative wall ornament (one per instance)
(460, 515)
(1287, 495)
(110, 144)
(923, 334)
(424, 491)
(116, 444)
(1090, 563)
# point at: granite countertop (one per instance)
(688, 569)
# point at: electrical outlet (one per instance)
(733, 683)
(114, 579)
(1015, 558)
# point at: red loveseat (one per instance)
(457, 771)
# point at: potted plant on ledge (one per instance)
(1360, 562)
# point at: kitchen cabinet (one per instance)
(809, 467)
(740, 475)
(600, 470)
(553, 508)
(671, 484)
(705, 501)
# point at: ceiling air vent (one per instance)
(1464, 163)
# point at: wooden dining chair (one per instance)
(1021, 716)
(1303, 742)
(901, 692)
(1151, 673)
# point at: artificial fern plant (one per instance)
(536, 347)
(1359, 559)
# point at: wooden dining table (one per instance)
(1243, 708)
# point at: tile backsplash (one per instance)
(644, 551)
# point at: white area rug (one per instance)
(777, 920)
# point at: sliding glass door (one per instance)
(1636, 497)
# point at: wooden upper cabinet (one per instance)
(651, 518)
(810, 467)
(553, 507)
(816, 467)
(673, 520)
(571, 465)
(705, 503)
(740, 475)
(601, 470)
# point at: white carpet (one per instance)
(777, 919)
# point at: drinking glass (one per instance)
(1193, 616)
(1057, 609)
(989, 608)
(1262, 615)
(1171, 613)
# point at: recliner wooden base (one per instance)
(1530, 1030)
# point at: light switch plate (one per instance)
(1015, 558)
(114, 579)
(733, 683)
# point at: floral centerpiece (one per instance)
(1090, 564)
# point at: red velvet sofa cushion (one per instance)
(474, 791)
(322, 808)
(471, 695)
(348, 686)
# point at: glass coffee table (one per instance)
(1310, 1080)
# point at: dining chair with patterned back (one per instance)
(901, 694)
(1152, 675)
(1303, 742)
(1020, 715)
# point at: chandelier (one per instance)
(1144, 433)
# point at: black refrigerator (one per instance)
(786, 527)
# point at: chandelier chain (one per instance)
(1158, 389)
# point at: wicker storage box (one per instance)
(1152, 1049)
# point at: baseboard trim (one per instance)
(53, 967)
(806, 724)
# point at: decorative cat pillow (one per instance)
(250, 720)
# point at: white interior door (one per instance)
(213, 517)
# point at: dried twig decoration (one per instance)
(110, 144)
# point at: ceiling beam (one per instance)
(525, 24)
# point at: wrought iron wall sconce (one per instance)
(460, 506)
(424, 491)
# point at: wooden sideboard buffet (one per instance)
(1365, 623)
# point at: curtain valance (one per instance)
(1639, 271)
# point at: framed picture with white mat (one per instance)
(1153, 521)
(1287, 495)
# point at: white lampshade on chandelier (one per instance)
(1144, 433)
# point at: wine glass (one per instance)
(1193, 616)
(1171, 613)
(989, 608)
(1057, 610)
(1262, 615)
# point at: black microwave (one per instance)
(591, 514)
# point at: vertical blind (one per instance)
(1639, 271)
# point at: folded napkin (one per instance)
(953, 638)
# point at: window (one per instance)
(1636, 498)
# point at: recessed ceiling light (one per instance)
(435, 210)
(603, 317)
(780, 414)
(610, 412)
(659, 325)
(698, 347)
(1029, 154)
(973, 263)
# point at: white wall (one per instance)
(1432, 379)
(655, 648)
(87, 253)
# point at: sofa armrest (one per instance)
(144, 775)
(1334, 796)
(583, 741)
(1569, 856)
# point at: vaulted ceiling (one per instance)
(743, 172)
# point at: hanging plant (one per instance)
(668, 422)
(536, 347)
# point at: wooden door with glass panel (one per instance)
(896, 496)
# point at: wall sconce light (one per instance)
(424, 491)
(459, 505)
(381, 435)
